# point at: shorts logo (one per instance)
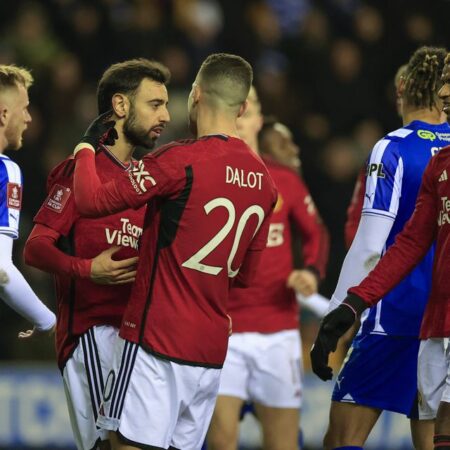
(425, 134)
(57, 199)
(139, 176)
(110, 381)
(14, 196)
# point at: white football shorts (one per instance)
(84, 379)
(264, 368)
(433, 374)
(155, 402)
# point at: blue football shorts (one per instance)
(381, 372)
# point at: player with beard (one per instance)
(14, 119)
(94, 260)
(209, 204)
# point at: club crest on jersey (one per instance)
(57, 199)
(14, 195)
(138, 176)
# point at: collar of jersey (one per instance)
(115, 158)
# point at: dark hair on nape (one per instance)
(423, 76)
(125, 77)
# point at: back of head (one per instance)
(125, 78)
(225, 80)
(423, 77)
(12, 76)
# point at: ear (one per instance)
(243, 108)
(196, 93)
(401, 87)
(120, 105)
(4, 115)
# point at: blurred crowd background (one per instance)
(325, 68)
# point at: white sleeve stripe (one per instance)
(378, 212)
(13, 170)
(401, 132)
(397, 189)
(371, 182)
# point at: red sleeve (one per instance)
(315, 238)
(41, 252)
(355, 208)
(410, 245)
(131, 190)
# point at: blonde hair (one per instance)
(11, 76)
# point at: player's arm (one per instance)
(41, 251)
(131, 190)
(410, 246)
(17, 293)
(315, 242)
(249, 267)
(355, 207)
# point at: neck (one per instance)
(252, 142)
(211, 121)
(431, 116)
(122, 149)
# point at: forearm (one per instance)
(41, 252)
(17, 293)
(363, 255)
(93, 198)
(316, 249)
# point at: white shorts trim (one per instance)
(83, 377)
(433, 375)
(155, 402)
(264, 368)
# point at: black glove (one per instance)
(333, 326)
(100, 131)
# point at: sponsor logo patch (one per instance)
(138, 177)
(14, 195)
(426, 134)
(57, 199)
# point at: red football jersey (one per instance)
(268, 305)
(82, 303)
(355, 208)
(209, 214)
(430, 221)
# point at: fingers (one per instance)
(123, 263)
(319, 361)
(25, 334)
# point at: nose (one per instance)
(165, 116)
(444, 91)
(28, 117)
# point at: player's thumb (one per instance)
(112, 250)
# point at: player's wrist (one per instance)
(83, 145)
(355, 303)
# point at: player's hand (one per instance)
(333, 326)
(100, 131)
(303, 281)
(36, 332)
(230, 325)
(105, 270)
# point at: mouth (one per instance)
(446, 108)
(155, 132)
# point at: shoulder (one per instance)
(9, 170)
(62, 171)
(172, 147)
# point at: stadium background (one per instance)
(325, 68)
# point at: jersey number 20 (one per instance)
(195, 261)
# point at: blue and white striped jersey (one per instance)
(10, 196)
(394, 174)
